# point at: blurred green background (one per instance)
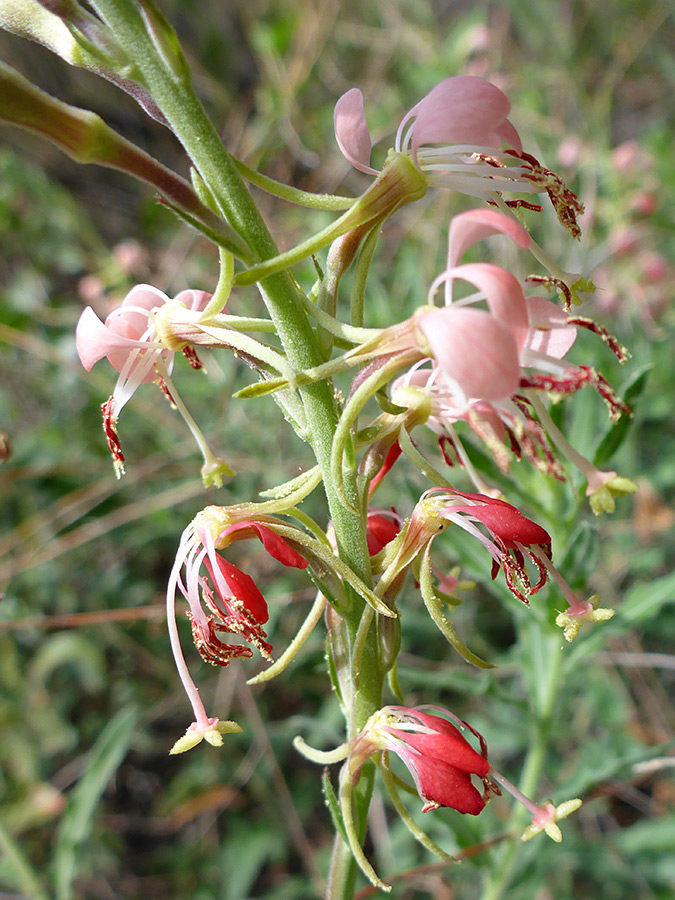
(91, 805)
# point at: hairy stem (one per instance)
(172, 91)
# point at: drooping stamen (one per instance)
(110, 429)
(549, 281)
(572, 381)
(190, 354)
(565, 202)
(165, 390)
(612, 342)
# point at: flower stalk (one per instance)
(486, 359)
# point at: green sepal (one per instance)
(368, 434)
(261, 388)
(301, 486)
(390, 783)
(435, 609)
(331, 801)
(387, 405)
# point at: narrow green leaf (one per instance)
(619, 431)
(78, 818)
(26, 879)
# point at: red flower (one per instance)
(382, 526)
(234, 604)
(513, 536)
(439, 758)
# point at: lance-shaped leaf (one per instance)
(86, 138)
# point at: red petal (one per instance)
(444, 784)
(510, 526)
(380, 530)
(392, 455)
(505, 521)
(277, 547)
(451, 749)
(242, 586)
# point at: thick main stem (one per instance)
(183, 111)
(185, 114)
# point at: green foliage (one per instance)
(90, 803)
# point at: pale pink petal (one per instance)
(460, 110)
(351, 130)
(469, 227)
(503, 293)
(549, 332)
(508, 133)
(194, 300)
(94, 340)
(128, 319)
(474, 350)
(146, 296)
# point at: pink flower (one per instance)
(478, 352)
(127, 338)
(487, 366)
(630, 157)
(437, 755)
(454, 135)
(221, 598)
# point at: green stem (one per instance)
(183, 111)
(175, 96)
(293, 195)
